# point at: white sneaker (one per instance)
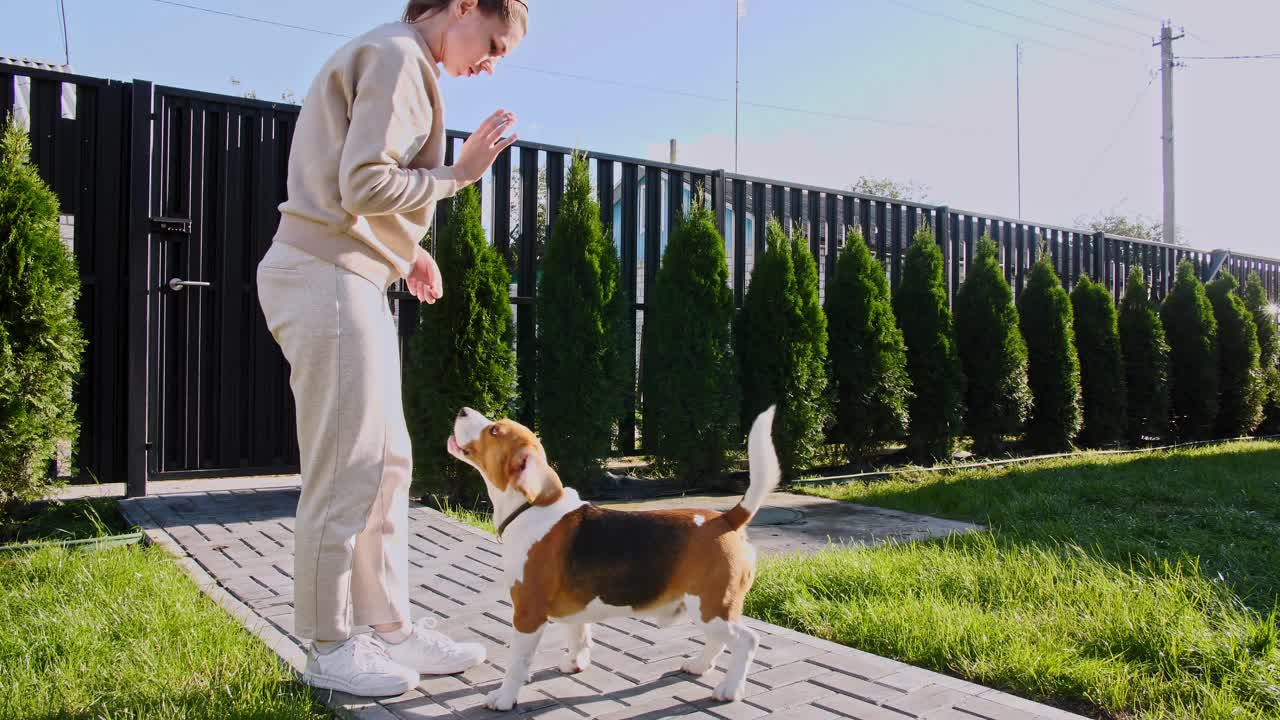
(431, 653)
(360, 666)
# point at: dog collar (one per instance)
(512, 517)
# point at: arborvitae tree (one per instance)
(1192, 332)
(1255, 298)
(920, 305)
(780, 338)
(1146, 363)
(992, 353)
(688, 384)
(1240, 381)
(40, 339)
(1053, 368)
(461, 353)
(868, 360)
(578, 397)
(1101, 364)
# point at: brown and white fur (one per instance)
(571, 562)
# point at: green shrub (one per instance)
(867, 357)
(780, 342)
(920, 305)
(1053, 368)
(1146, 363)
(1192, 333)
(1240, 379)
(688, 382)
(461, 352)
(992, 353)
(578, 401)
(1255, 298)
(1101, 365)
(40, 339)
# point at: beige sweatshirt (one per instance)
(366, 166)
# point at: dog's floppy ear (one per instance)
(527, 472)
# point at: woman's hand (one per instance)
(483, 146)
(424, 279)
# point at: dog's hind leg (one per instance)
(716, 637)
(577, 652)
(743, 642)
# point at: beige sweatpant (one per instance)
(350, 538)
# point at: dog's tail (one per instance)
(764, 469)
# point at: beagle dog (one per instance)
(575, 563)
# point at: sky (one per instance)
(915, 90)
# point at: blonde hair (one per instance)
(513, 12)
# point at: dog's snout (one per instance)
(462, 413)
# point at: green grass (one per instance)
(1127, 587)
(124, 633)
(55, 520)
(477, 517)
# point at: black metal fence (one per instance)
(168, 185)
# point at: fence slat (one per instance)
(834, 239)
(953, 231)
(7, 95)
(502, 203)
(652, 226)
(760, 192)
(555, 188)
(526, 285)
(739, 240)
(675, 200)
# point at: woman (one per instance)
(366, 170)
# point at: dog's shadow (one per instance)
(540, 694)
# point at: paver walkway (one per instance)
(236, 540)
(790, 523)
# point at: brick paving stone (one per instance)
(858, 709)
(930, 697)
(789, 696)
(243, 539)
(988, 710)
(862, 689)
(788, 674)
(810, 712)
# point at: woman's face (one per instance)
(475, 41)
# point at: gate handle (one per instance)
(177, 284)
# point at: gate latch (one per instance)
(170, 226)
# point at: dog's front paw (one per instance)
(499, 700)
(727, 693)
(695, 666)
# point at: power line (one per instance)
(979, 26)
(713, 98)
(1125, 9)
(1266, 56)
(1115, 136)
(252, 19)
(1092, 19)
(576, 76)
(1051, 26)
(66, 42)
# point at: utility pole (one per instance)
(737, 75)
(1169, 230)
(1018, 101)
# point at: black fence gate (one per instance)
(170, 199)
(218, 395)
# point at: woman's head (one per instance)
(469, 36)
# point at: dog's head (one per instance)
(507, 454)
